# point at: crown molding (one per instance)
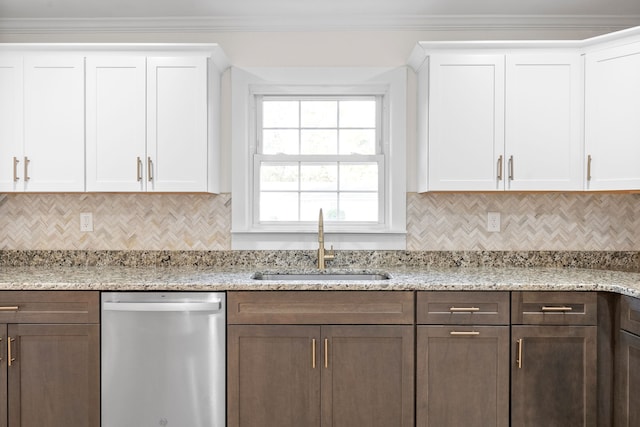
(320, 23)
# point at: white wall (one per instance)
(301, 49)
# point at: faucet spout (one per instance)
(323, 255)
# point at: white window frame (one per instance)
(247, 85)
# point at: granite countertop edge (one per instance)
(414, 279)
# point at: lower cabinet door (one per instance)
(273, 376)
(627, 408)
(367, 376)
(463, 376)
(54, 376)
(554, 378)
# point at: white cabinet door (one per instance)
(10, 122)
(116, 123)
(466, 122)
(177, 124)
(612, 118)
(543, 136)
(53, 123)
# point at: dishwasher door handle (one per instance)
(163, 306)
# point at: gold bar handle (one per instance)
(326, 352)
(552, 309)
(500, 168)
(149, 169)
(313, 353)
(589, 167)
(15, 169)
(9, 308)
(139, 169)
(511, 168)
(519, 356)
(463, 309)
(26, 169)
(10, 359)
(464, 333)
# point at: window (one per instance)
(319, 152)
(305, 139)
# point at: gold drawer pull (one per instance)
(313, 353)
(463, 309)
(26, 169)
(10, 308)
(549, 308)
(10, 359)
(15, 169)
(138, 169)
(149, 169)
(326, 352)
(464, 333)
(519, 357)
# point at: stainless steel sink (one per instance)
(321, 276)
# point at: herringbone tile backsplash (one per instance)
(435, 221)
(546, 221)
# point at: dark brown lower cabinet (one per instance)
(554, 378)
(54, 379)
(463, 376)
(627, 408)
(329, 376)
(49, 359)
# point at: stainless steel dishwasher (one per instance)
(163, 359)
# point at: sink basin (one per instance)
(321, 276)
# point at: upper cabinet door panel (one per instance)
(543, 122)
(612, 127)
(53, 123)
(10, 120)
(177, 124)
(116, 123)
(466, 121)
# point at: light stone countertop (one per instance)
(113, 278)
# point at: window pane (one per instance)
(359, 206)
(359, 141)
(318, 177)
(319, 114)
(280, 114)
(310, 204)
(278, 206)
(279, 177)
(358, 177)
(280, 141)
(358, 114)
(319, 142)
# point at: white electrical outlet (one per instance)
(493, 222)
(86, 221)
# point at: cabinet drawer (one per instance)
(463, 308)
(554, 308)
(311, 307)
(49, 307)
(630, 314)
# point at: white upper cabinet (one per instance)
(177, 150)
(116, 123)
(151, 123)
(116, 118)
(612, 119)
(466, 121)
(543, 126)
(53, 150)
(10, 122)
(502, 121)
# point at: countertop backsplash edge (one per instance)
(628, 261)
